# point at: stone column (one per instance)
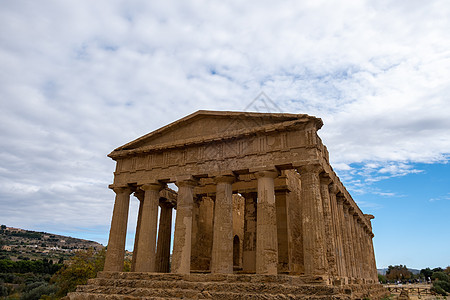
(145, 259)
(355, 242)
(140, 195)
(117, 235)
(345, 247)
(266, 225)
(372, 261)
(164, 237)
(364, 251)
(222, 249)
(181, 256)
(314, 250)
(340, 261)
(330, 235)
(205, 231)
(282, 231)
(249, 252)
(348, 229)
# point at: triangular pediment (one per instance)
(208, 125)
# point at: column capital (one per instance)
(121, 189)
(224, 178)
(269, 173)
(314, 168)
(333, 188)
(351, 209)
(340, 198)
(369, 217)
(167, 204)
(186, 181)
(346, 206)
(139, 194)
(325, 179)
(154, 186)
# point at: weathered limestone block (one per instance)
(295, 216)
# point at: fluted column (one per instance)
(249, 252)
(314, 249)
(140, 195)
(330, 235)
(364, 251)
(345, 247)
(266, 225)
(340, 260)
(164, 237)
(222, 249)
(373, 264)
(348, 229)
(181, 256)
(355, 242)
(145, 259)
(117, 235)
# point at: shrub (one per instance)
(443, 284)
(3, 289)
(38, 291)
(441, 276)
(80, 268)
(439, 290)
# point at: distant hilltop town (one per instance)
(21, 244)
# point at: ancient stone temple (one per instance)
(259, 212)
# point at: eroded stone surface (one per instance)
(257, 198)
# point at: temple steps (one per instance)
(119, 285)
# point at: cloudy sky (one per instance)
(80, 78)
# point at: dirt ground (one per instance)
(413, 295)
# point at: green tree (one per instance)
(81, 267)
(441, 276)
(382, 278)
(441, 283)
(426, 273)
(399, 272)
(447, 270)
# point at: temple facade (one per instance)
(256, 195)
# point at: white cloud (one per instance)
(80, 78)
(440, 198)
